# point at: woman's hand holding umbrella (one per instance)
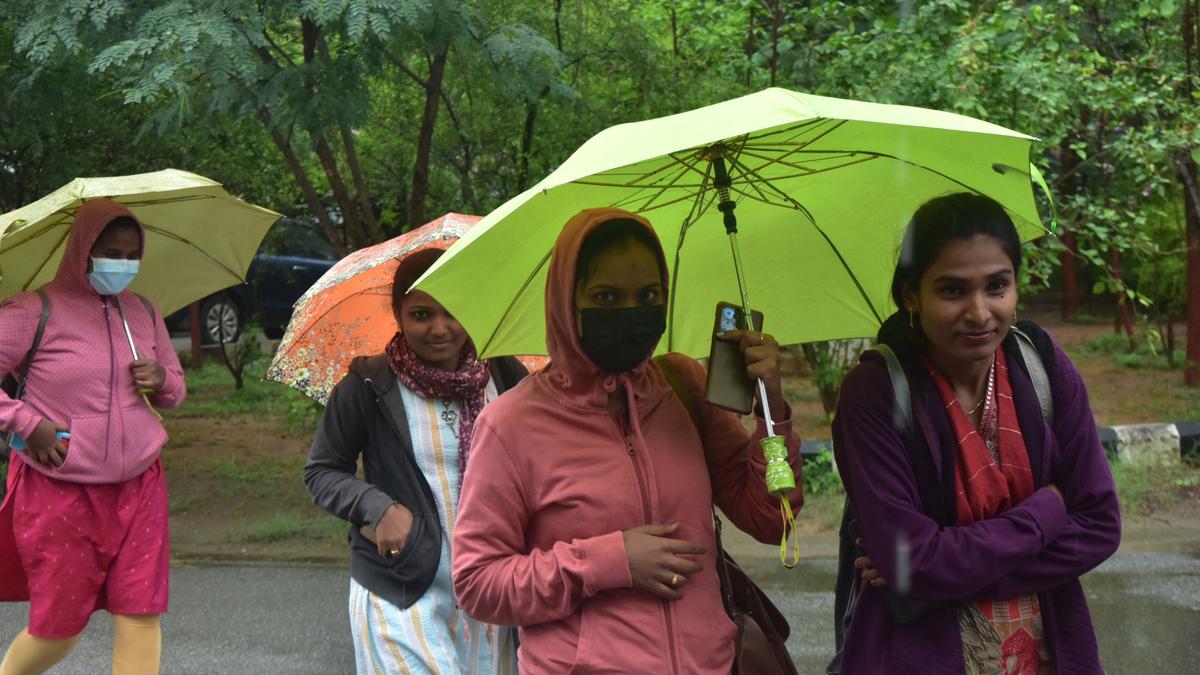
(761, 352)
(148, 375)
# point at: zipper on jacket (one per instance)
(644, 491)
(643, 488)
(112, 379)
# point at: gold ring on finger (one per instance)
(675, 579)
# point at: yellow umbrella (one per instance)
(199, 238)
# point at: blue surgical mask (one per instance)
(110, 276)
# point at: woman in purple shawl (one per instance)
(976, 513)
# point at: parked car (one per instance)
(293, 255)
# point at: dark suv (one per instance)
(293, 255)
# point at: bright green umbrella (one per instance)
(823, 189)
(199, 238)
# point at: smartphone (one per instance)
(728, 385)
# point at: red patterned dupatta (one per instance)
(987, 482)
(991, 475)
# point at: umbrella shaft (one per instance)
(125, 323)
(747, 315)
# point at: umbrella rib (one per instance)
(661, 187)
(698, 209)
(206, 254)
(780, 159)
(512, 303)
(833, 247)
(43, 264)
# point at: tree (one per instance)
(303, 70)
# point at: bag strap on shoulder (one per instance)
(1037, 372)
(681, 391)
(43, 319)
(902, 414)
(148, 305)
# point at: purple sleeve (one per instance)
(1081, 471)
(944, 563)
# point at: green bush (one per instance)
(821, 476)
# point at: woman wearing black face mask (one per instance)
(585, 517)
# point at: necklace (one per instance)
(450, 417)
(987, 392)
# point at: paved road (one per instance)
(234, 619)
(238, 618)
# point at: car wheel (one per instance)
(219, 316)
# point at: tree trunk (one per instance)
(1070, 275)
(353, 224)
(374, 233)
(750, 47)
(1124, 313)
(1069, 184)
(531, 111)
(1191, 202)
(1169, 341)
(776, 24)
(1191, 368)
(367, 210)
(311, 198)
(420, 181)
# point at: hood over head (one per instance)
(572, 370)
(90, 221)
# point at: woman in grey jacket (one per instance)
(410, 413)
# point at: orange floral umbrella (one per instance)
(348, 312)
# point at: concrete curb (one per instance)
(1124, 442)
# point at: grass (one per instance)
(291, 525)
(1148, 353)
(1146, 489)
(211, 394)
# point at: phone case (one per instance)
(728, 385)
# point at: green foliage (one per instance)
(1147, 354)
(211, 394)
(828, 363)
(821, 476)
(1101, 83)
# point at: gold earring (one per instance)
(910, 317)
(1014, 316)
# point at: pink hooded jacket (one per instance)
(554, 479)
(80, 376)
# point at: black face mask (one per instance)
(618, 339)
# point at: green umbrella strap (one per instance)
(780, 482)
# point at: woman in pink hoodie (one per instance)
(586, 513)
(84, 524)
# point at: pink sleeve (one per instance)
(735, 460)
(174, 387)
(19, 317)
(496, 578)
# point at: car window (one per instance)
(294, 238)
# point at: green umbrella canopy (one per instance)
(199, 238)
(824, 189)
